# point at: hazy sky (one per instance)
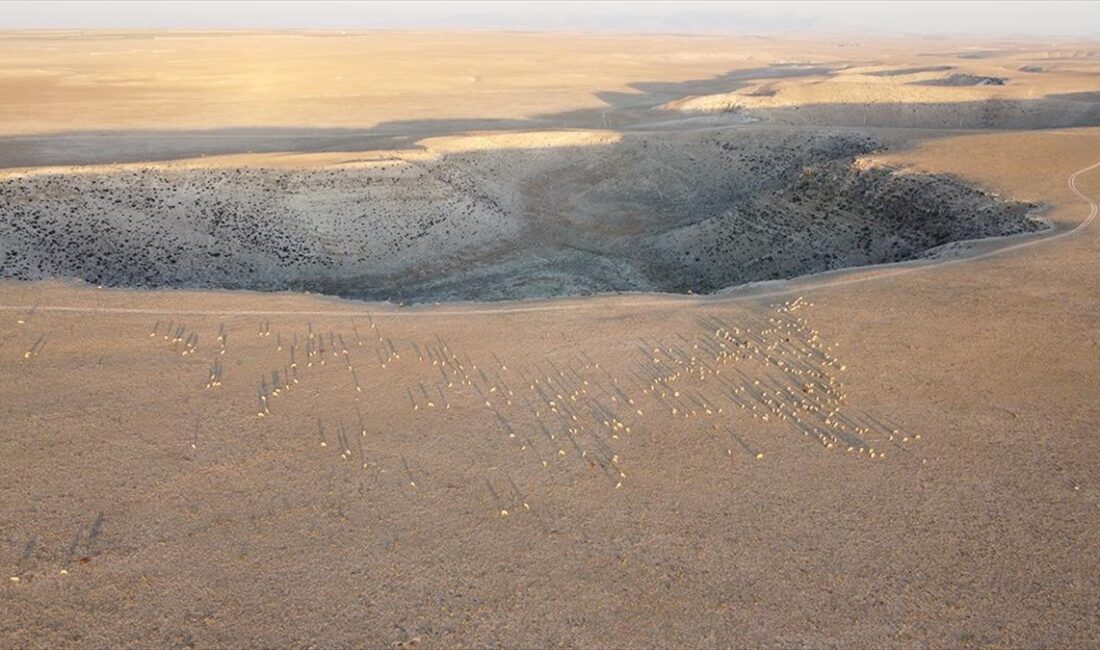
(994, 18)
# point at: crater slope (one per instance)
(494, 216)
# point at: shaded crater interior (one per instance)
(691, 211)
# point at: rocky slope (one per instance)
(485, 219)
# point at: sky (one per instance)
(1036, 18)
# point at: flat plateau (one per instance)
(892, 455)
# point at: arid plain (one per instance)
(877, 427)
